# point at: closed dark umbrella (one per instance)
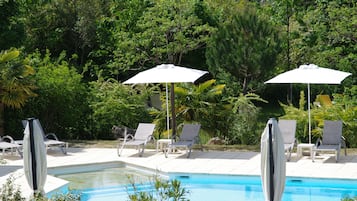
(35, 162)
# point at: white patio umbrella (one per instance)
(167, 73)
(272, 162)
(35, 162)
(310, 74)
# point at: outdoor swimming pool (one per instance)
(110, 183)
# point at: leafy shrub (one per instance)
(163, 190)
(196, 103)
(301, 117)
(65, 197)
(344, 108)
(10, 192)
(244, 120)
(60, 103)
(113, 103)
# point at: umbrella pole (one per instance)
(271, 164)
(309, 112)
(33, 156)
(173, 115)
(167, 112)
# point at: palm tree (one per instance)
(203, 104)
(15, 85)
(193, 103)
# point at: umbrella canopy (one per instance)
(35, 162)
(272, 162)
(310, 74)
(167, 73)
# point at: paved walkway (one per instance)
(211, 162)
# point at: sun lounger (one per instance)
(7, 143)
(143, 134)
(288, 130)
(50, 139)
(188, 137)
(331, 139)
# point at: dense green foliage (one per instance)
(116, 104)
(79, 47)
(243, 50)
(244, 119)
(61, 101)
(344, 108)
(201, 103)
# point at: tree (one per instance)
(115, 32)
(16, 86)
(11, 29)
(63, 25)
(327, 36)
(165, 32)
(202, 103)
(243, 50)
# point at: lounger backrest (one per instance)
(332, 132)
(287, 129)
(190, 132)
(143, 131)
(7, 138)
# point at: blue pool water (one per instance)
(206, 187)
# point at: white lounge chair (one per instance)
(188, 137)
(143, 134)
(7, 143)
(50, 139)
(331, 139)
(288, 130)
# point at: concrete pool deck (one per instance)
(210, 162)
